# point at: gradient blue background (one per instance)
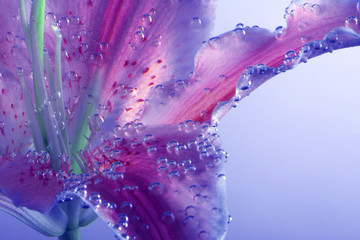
(294, 170)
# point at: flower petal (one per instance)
(161, 183)
(52, 224)
(221, 65)
(29, 181)
(123, 48)
(15, 134)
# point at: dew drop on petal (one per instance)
(126, 207)
(280, 32)
(352, 22)
(316, 9)
(196, 22)
(168, 218)
(156, 188)
(203, 235)
(147, 19)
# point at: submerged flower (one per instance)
(110, 108)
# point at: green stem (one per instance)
(71, 235)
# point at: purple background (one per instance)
(294, 167)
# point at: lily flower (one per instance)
(110, 108)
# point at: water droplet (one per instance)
(352, 22)
(19, 71)
(75, 20)
(63, 22)
(156, 188)
(84, 47)
(123, 219)
(171, 164)
(147, 19)
(245, 85)
(280, 32)
(96, 58)
(222, 78)
(129, 128)
(207, 91)
(316, 9)
(151, 150)
(126, 207)
(358, 7)
(194, 189)
(9, 37)
(72, 76)
(214, 42)
(98, 180)
(196, 22)
(229, 219)
(174, 176)
(190, 221)
(118, 131)
(171, 146)
(190, 170)
(161, 170)
(240, 26)
(221, 177)
(139, 36)
(131, 92)
(51, 18)
(168, 217)
(162, 161)
(203, 235)
(181, 148)
(332, 37)
(104, 46)
(159, 90)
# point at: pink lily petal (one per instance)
(220, 66)
(123, 48)
(29, 181)
(161, 183)
(51, 224)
